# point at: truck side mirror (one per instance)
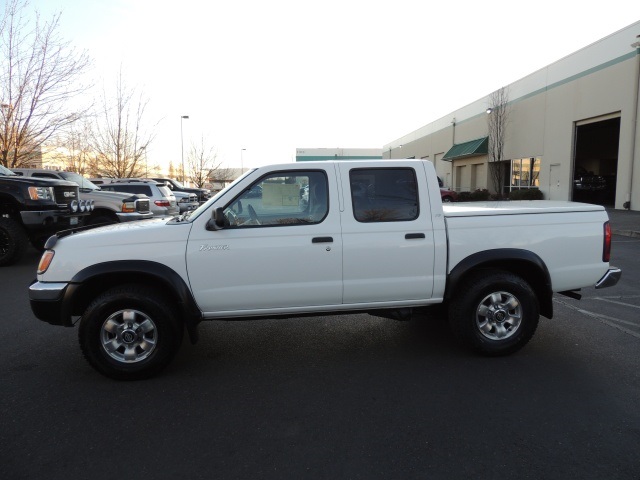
(217, 219)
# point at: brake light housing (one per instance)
(606, 248)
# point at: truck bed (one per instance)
(567, 236)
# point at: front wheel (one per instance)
(130, 333)
(495, 313)
(13, 241)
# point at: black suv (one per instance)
(33, 209)
(175, 186)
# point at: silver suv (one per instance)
(109, 207)
(163, 202)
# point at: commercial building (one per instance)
(314, 154)
(572, 130)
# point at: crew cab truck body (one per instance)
(320, 238)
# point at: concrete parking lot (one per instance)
(335, 397)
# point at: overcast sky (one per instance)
(271, 76)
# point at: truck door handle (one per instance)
(410, 236)
(322, 240)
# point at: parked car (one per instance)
(175, 186)
(186, 201)
(163, 201)
(109, 207)
(33, 209)
(445, 194)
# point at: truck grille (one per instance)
(65, 195)
(143, 205)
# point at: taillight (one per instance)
(162, 203)
(606, 250)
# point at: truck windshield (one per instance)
(80, 180)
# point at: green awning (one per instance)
(468, 149)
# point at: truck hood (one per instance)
(41, 182)
(154, 240)
(519, 207)
(105, 195)
(153, 230)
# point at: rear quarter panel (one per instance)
(569, 243)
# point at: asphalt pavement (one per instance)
(353, 397)
(624, 222)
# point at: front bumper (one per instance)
(187, 206)
(610, 278)
(52, 219)
(47, 302)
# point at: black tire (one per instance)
(130, 332)
(447, 199)
(13, 241)
(495, 313)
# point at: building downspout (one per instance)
(627, 204)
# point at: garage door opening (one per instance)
(596, 162)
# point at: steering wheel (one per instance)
(232, 217)
(253, 214)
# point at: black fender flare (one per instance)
(136, 269)
(521, 262)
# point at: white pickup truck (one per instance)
(316, 238)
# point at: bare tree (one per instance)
(497, 120)
(172, 170)
(77, 154)
(120, 139)
(203, 164)
(40, 75)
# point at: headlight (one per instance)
(91, 205)
(74, 206)
(41, 193)
(128, 207)
(83, 205)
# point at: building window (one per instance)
(524, 173)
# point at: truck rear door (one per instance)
(387, 237)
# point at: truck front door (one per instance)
(281, 248)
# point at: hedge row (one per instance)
(481, 195)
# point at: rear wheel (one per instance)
(130, 332)
(13, 241)
(495, 313)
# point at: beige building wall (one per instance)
(599, 82)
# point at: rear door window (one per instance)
(384, 194)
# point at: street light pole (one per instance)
(182, 143)
(241, 161)
(143, 151)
